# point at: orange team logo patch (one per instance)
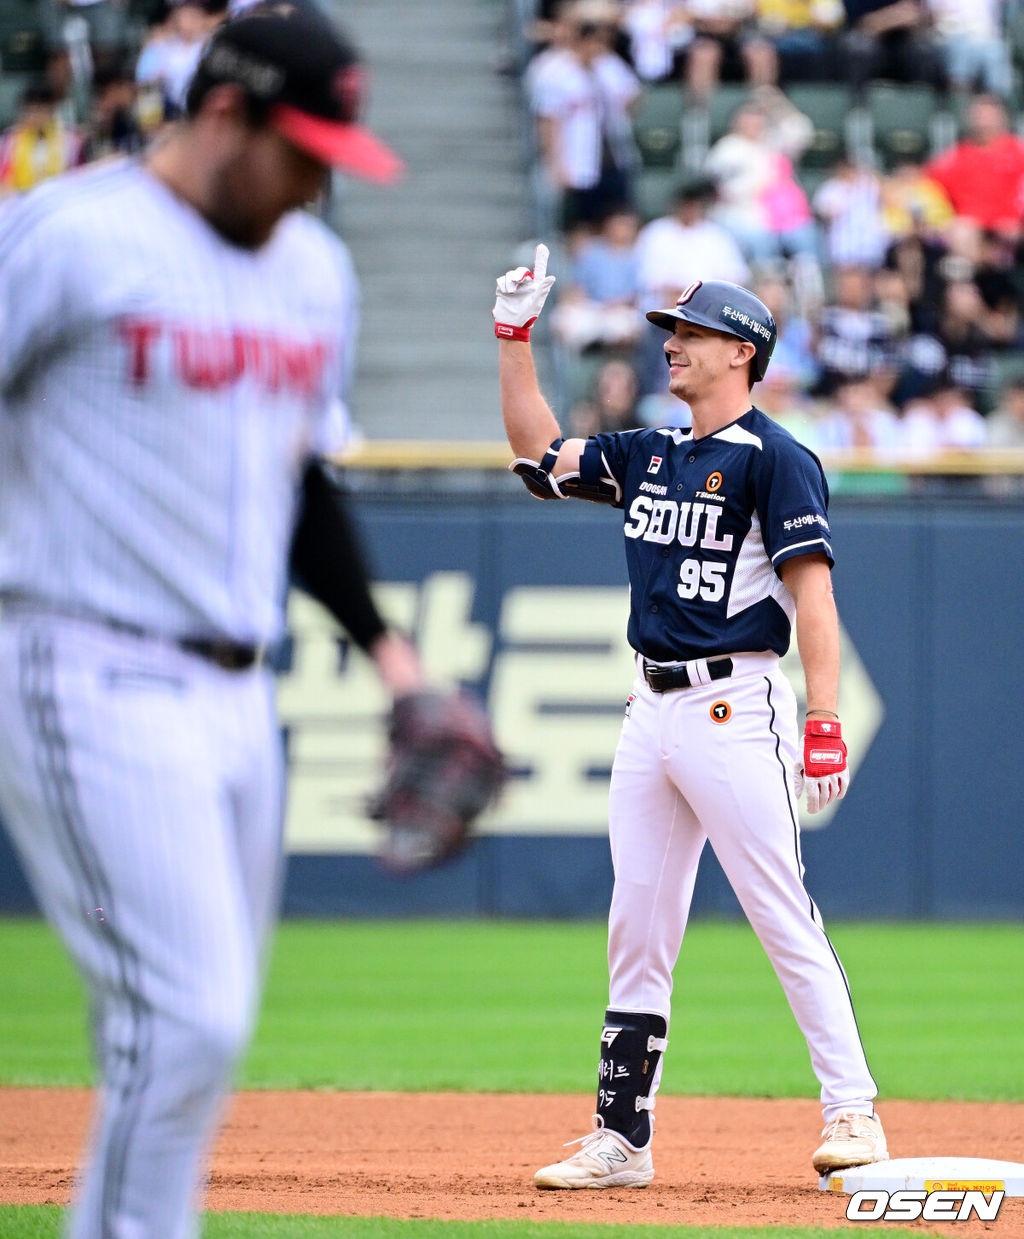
(714, 481)
(721, 712)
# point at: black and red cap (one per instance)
(289, 57)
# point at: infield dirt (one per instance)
(719, 1161)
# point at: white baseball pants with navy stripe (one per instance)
(142, 787)
(714, 763)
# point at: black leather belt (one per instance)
(664, 679)
(229, 655)
(223, 653)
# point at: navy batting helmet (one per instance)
(727, 308)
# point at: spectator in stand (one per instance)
(942, 420)
(104, 34)
(912, 201)
(1005, 424)
(849, 205)
(113, 127)
(983, 174)
(597, 302)
(613, 404)
(759, 200)
(803, 34)
(554, 39)
(972, 43)
(892, 299)
(890, 39)
(169, 58)
(915, 259)
(793, 357)
(659, 33)
(780, 395)
(858, 419)
(854, 338)
(38, 144)
(673, 251)
(956, 346)
(582, 97)
(728, 45)
(985, 258)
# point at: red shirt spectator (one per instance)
(983, 174)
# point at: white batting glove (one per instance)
(823, 774)
(521, 297)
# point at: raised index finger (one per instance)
(540, 262)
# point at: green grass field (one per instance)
(517, 1007)
(30, 1222)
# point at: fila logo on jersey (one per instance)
(655, 464)
(208, 358)
(721, 712)
(682, 521)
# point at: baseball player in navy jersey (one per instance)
(174, 336)
(727, 548)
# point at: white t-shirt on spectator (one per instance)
(585, 104)
(653, 39)
(924, 431)
(976, 19)
(730, 10)
(671, 255)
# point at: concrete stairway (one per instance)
(428, 250)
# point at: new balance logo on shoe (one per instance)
(613, 1154)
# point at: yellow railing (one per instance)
(459, 454)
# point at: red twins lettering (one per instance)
(209, 359)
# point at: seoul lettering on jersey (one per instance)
(666, 520)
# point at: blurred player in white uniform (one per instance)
(174, 336)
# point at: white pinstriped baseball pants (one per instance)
(142, 788)
(681, 778)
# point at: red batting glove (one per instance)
(521, 294)
(825, 774)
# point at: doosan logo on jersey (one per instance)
(210, 358)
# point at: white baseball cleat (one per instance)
(606, 1159)
(850, 1140)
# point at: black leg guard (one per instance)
(632, 1044)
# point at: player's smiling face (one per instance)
(698, 358)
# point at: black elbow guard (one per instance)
(536, 474)
(595, 481)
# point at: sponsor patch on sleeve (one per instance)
(815, 522)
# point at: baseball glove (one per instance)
(443, 769)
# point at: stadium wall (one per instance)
(526, 603)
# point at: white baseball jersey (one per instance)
(157, 402)
(591, 106)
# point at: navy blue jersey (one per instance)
(708, 524)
